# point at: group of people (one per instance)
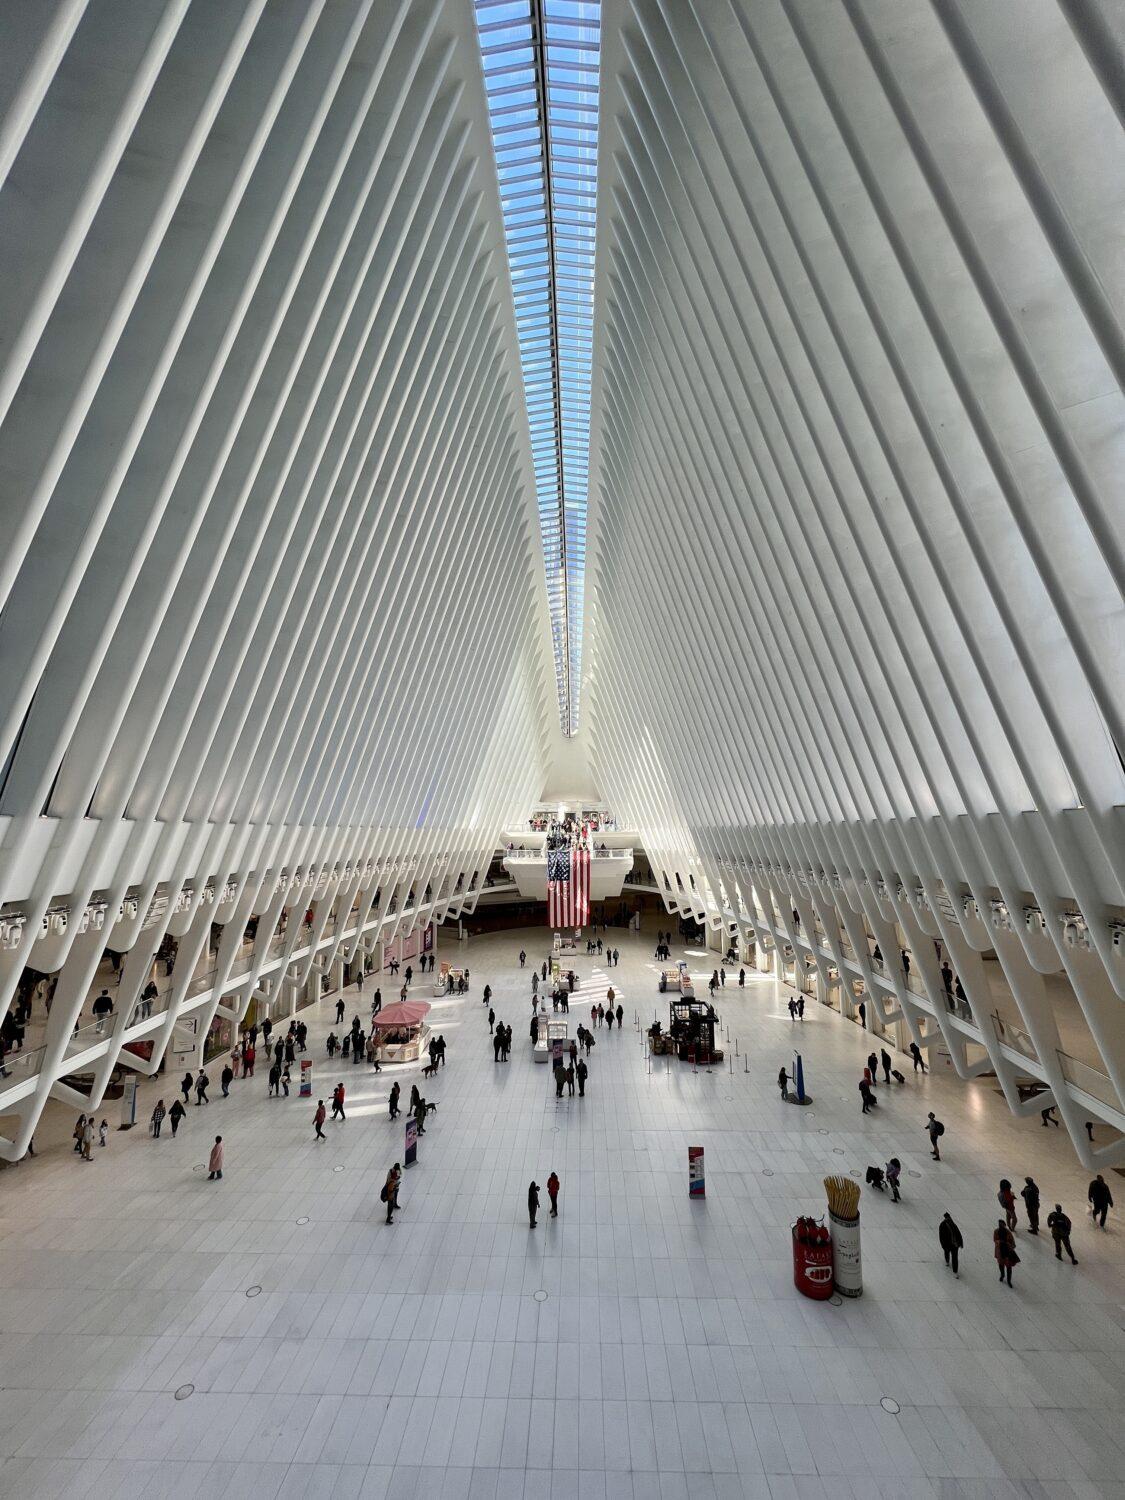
(553, 1185)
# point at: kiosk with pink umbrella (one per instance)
(401, 1031)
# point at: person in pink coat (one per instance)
(215, 1163)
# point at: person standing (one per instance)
(865, 1093)
(185, 1086)
(1060, 1226)
(1030, 1195)
(885, 1060)
(175, 1115)
(620, 1015)
(1004, 1249)
(570, 1079)
(215, 1161)
(916, 1054)
(863, 1015)
(102, 1007)
(491, 1020)
(608, 1016)
(340, 1009)
(103, 1133)
(894, 1172)
(951, 1242)
(581, 1072)
(396, 1090)
(249, 1057)
(88, 1139)
(553, 1186)
(389, 1194)
(742, 978)
(935, 1129)
(318, 1121)
(523, 958)
(873, 1068)
(273, 1080)
(560, 1079)
(783, 1082)
(158, 1119)
(1100, 1199)
(616, 958)
(1007, 1201)
(533, 1202)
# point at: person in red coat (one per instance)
(553, 1186)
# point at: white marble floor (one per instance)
(639, 1346)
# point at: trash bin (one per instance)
(812, 1259)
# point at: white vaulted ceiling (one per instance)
(302, 365)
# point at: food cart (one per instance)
(692, 1026)
(448, 979)
(401, 1030)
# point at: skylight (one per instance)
(541, 77)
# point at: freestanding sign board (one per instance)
(129, 1105)
(696, 1183)
(410, 1155)
(306, 1077)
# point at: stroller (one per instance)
(876, 1178)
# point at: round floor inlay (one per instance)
(337, 1169)
(183, 1392)
(253, 1291)
(888, 1403)
(200, 1166)
(910, 1172)
(767, 1172)
(540, 1295)
(304, 1219)
(836, 1300)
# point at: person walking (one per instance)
(215, 1161)
(873, 1068)
(893, 1170)
(553, 1186)
(1007, 1201)
(158, 1119)
(396, 1090)
(1030, 1195)
(285, 1080)
(783, 1082)
(951, 1242)
(863, 1015)
(487, 995)
(340, 1009)
(226, 1078)
(185, 1087)
(1048, 1117)
(560, 1079)
(202, 1084)
(581, 1072)
(273, 1080)
(1004, 1249)
(1060, 1226)
(338, 1103)
(866, 1094)
(1100, 1199)
(249, 1056)
(175, 1115)
(570, 1080)
(523, 958)
(491, 1020)
(916, 1054)
(935, 1130)
(421, 1110)
(533, 1202)
(609, 1017)
(318, 1121)
(620, 1015)
(389, 1195)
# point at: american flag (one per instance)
(568, 887)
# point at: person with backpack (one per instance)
(389, 1194)
(202, 1084)
(935, 1129)
(1060, 1226)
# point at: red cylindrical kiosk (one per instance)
(812, 1259)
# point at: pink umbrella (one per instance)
(404, 1013)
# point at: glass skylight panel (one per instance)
(541, 60)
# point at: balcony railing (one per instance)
(541, 854)
(1090, 1080)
